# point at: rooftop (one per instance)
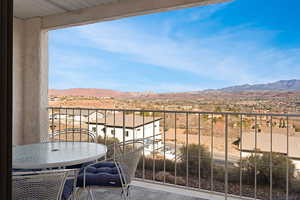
(278, 146)
(131, 121)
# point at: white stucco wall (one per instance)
(135, 134)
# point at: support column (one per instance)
(35, 82)
(18, 63)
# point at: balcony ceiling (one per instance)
(25, 9)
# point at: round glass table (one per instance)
(56, 154)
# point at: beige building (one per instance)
(281, 143)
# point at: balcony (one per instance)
(199, 155)
(190, 155)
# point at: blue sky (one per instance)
(244, 41)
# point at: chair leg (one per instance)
(72, 196)
(129, 193)
(91, 195)
(77, 193)
(126, 193)
(123, 196)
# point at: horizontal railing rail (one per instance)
(181, 111)
(236, 154)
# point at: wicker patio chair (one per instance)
(123, 165)
(45, 185)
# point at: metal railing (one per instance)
(216, 152)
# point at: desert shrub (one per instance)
(193, 151)
(233, 174)
(297, 129)
(295, 185)
(109, 142)
(160, 176)
(159, 164)
(279, 169)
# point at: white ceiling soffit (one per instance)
(25, 9)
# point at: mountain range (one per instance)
(274, 87)
(283, 85)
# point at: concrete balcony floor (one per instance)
(141, 193)
(151, 191)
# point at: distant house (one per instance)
(279, 145)
(82, 115)
(215, 116)
(57, 116)
(94, 116)
(114, 126)
(53, 99)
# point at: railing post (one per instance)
(287, 159)
(124, 129)
(88, 124)
(59, 124)
(164, 147)
(66, 128)
(52, 126)
(97, 133)
(241, 154)
(212, 155)
(271, 160)
(114, 131)
(105, 127)
(199, 149)
(73, 126)
(80, 133)
(187, 149)
(175, 148)
(143, 145)
(153, 144)
(226, 156)
(133, 129)
(255, 160)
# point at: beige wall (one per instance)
(30, 65)
(35, 82)
(18, 62)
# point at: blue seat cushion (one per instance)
(100, 174)
(68, 189)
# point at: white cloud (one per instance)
(217, 56)
(236, 55)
